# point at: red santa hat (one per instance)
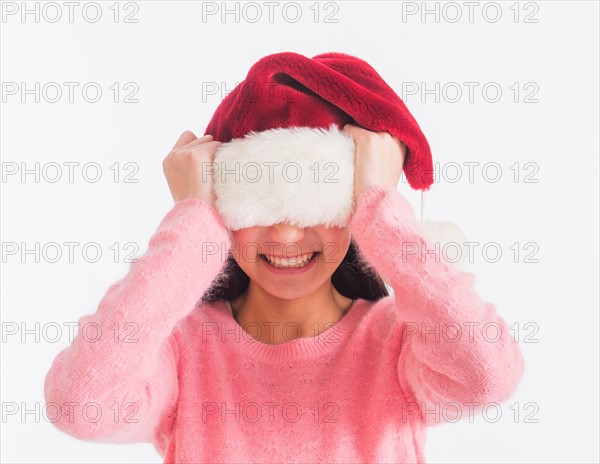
(289, 111)
(284, 157)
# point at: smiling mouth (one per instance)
(290, 263)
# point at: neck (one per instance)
(274, 320)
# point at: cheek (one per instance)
(244, 247)
(335, 246)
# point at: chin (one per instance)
(287, 292)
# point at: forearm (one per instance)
(123, 354)
(455, 347)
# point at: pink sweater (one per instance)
(186, 377)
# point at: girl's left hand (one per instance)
(379, 159)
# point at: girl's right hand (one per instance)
(188, 168)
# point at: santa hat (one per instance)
(284, 157)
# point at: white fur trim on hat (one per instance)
(451, 241)
(300, 175)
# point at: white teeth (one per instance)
(299, 261)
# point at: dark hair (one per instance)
(354, 278)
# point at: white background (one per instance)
(171, 51)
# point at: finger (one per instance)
(202, 140)
(354, 130)
(395, 138)
(206, 150)
(211, 148)
(184, 139)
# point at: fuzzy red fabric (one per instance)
(287, 89)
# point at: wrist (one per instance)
(371, 190)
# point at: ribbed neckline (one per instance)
(298, 349)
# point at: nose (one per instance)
(285, 233)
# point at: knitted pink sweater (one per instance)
(153, 364)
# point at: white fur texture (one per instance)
(451, 241)
(300, 175)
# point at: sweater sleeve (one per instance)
(117, 381)
(457, 354)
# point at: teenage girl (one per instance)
(304, 359)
